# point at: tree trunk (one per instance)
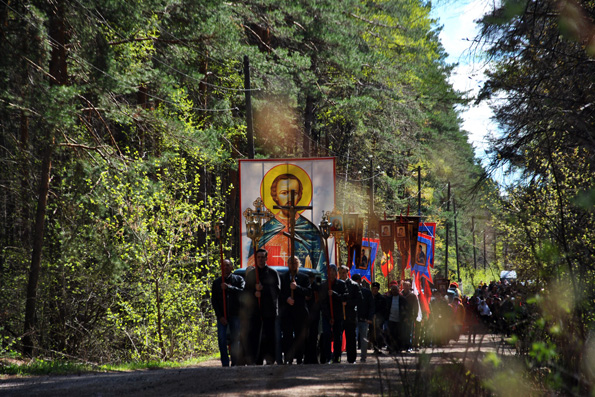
(159, 326)
(44, 185)
(308, 118)
(58, 76)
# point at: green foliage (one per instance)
(55, 367)
(43, 367)
(547, 213)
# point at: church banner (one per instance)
(387, 238)
(424, 253)
(272, 180)
(365, 267)
(429, 228)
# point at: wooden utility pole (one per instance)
(485, 252)
(419, 190)
(473, 234)
(248, 95)
(454, 208)
(371, 213)
(495, 248)
(447, 227)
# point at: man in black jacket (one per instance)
(365, 315)
(228, 314)
(354, 296)
(377, 331)
(397, 312)
(295, 289)
(313, 302)
(263, 287)
(332, 319)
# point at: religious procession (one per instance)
(305, 291)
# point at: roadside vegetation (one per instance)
(20, 367)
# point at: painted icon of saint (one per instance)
(276, 233)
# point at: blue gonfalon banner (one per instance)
(424, 261)
(366, 273)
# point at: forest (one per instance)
(122, 122)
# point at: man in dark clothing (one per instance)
(228, 314)
(263, 285)
(354, 296)
(377, 332)
(313, 301)
(295, 288)
(332, 322)
(410, 316)
(365, 314)
(397, 310)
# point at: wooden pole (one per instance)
(256, 269)
(485, 253)
(447, 229)
(292, 237)
(473, 234)
(419, 190)
(328, 281)
(454, 208)
(223, 279)
(248, 96)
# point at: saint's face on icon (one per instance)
(281, 192)
(337, 225)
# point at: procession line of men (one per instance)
(268, 318)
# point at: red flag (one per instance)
(386, 263)
(423, 297)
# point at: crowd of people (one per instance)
(291, 318)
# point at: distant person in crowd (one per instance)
(380, 306)
(458, 312)
(484, 312)
(354, 296)
(410, 316)
(397, 312)
(472, 317)
(365, 315)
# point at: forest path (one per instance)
(377, 376)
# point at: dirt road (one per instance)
(378, 375)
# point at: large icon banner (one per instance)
(313, 183)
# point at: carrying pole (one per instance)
(248, 96)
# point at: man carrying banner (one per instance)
(313, 301)
(227, 312)
(354, 296)
(263, 286)
(295, 289)
(332, 319)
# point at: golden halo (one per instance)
(267, 181)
